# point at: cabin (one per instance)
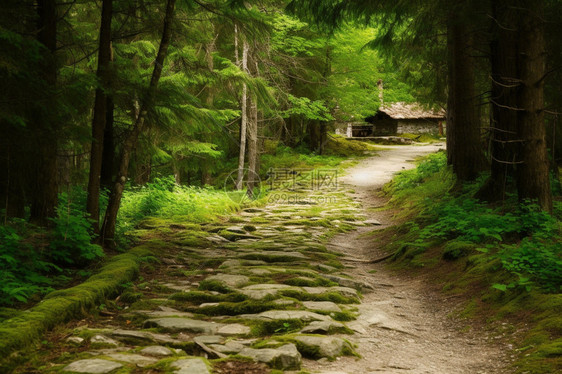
(404, 118)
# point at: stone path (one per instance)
(264, 291)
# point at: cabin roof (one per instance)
(411, 111)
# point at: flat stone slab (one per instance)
(368, 317)
(260, 291)
(231, 280)
(286, 357)
(325, 346)
(190, 366)
(204, 305)
(230, 347)
(216, 238)
(274, 256)
(322, 327)
(322, 306)
(234, 329)
(76, 340)
(157, 350)
(92, 366)
(209, 339)
(344, 291)
(184, 324)
(236, 229)
(102, 339)
(284, 302)
(142, 336)
(272, 315)
(350, 283)
(259, 271)
(161, 313)
(183, 287)
(139, 360)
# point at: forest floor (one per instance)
(288, 285)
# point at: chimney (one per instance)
(379, 85)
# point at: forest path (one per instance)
(402, 326)
(281, 285)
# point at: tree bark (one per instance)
(100, 114)
(465, 154)
(110, 220)
(243, 119)
(206, 161)
(533, 173)
(450, 115)
(253, 129)
(107, 173)
(503, 124)
(253, 153)
(44, 128)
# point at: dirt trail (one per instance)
(403, 326)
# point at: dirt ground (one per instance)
(405, 326)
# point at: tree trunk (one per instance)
(44, 144)
(253, 153)
(243, 120)
(503, 124)
(100, 114)
(108, 229)
(533, 173)
(206, 162)
(465, 154)
(108, 159)
(317, 133)
(450, 115)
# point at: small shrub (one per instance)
(469, 220)
(535, 260)
(72, 235)
(21, 269)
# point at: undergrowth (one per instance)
(34, 261)
(511, 251)
(163, 198)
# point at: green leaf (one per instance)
(501, 287)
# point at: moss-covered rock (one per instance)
(62, 305)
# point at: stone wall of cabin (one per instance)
(417, 126)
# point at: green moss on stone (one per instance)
(62, 305)
(205, 297)
(234, 309)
